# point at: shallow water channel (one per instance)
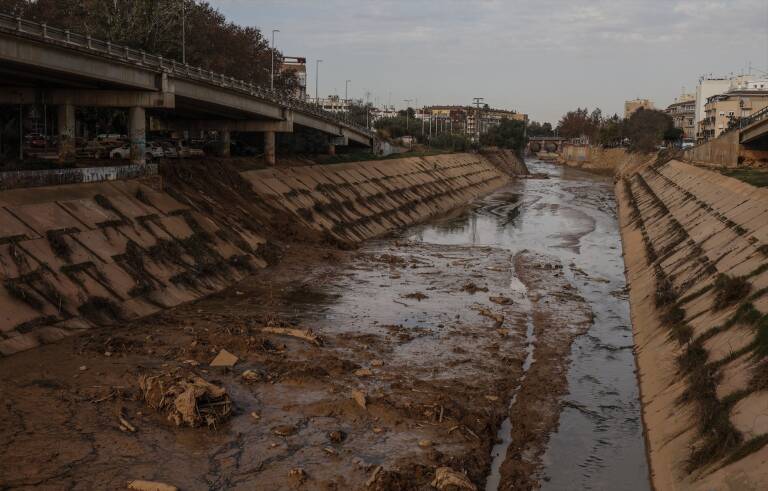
(599, 443)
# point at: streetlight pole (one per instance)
(477, 100)
(408, 105)
(184, 31)
(272, 77)
(317, 81)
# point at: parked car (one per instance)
(121, 152)
(687, 145)
(186, 152)
(152, 151)
(35, 140)
(155, 151)
(169, 150)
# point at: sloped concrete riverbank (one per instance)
(695, 249)
(389, 366)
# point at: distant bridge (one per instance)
(545, 143)
(41, 64)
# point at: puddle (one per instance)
(599, 442)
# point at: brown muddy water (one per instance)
(599, 440)
(446, 346)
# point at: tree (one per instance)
(646, 129)
(539, 129)
(612, 132)
(578, 123)
(155, 26)
(358, 112)
(509, 133)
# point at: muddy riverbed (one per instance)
(444, 356)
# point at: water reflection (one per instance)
(599, 442)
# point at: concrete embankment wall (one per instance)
(76, 256)
(723, 151)
(699, 341)
(597, 159)
(354, 202)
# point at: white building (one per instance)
(711, 86)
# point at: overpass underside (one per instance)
(38, 70)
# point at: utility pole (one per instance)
(272, 76)
(478, 101)
(317, 82)
(407, 107)
(184, 31)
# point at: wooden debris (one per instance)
(140, 485)
(306, 335)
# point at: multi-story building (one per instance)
(683, 113)
(332, 103)
(631, 106)
(710, 86)
(724, 110)
(298, 66)
(464, 119)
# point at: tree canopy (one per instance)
(510, 133)
(155, 26)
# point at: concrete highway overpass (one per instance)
(40, 64)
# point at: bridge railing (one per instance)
(69, 39)
(742, 123)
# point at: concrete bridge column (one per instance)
(137, 134)
(269, 147)
(225, 139)
(66, 123)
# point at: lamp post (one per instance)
(317, 81)
(408, 105)
(478, 101)
(272, 77)
(183, 32)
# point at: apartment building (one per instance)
(298, 66)
(631, 106)
(683, 113)
(724, 110)
(464, 119)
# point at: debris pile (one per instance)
(188, 400)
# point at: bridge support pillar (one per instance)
(269, 147)
(66, 123)
(225, 139)
(137, 134)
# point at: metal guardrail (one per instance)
(748, 121)
(68, 39)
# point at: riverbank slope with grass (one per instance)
(695, 249)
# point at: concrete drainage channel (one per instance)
(419, 342)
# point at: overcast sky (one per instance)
(541, 57)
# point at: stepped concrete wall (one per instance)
(357, 201)
(701, 364)
(597, 159)
(76, 256)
